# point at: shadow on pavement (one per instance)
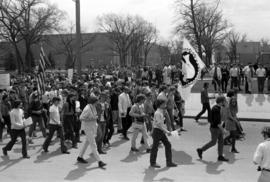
(118, 143)
(133, 156)
(181, 157)
(7, 162)
(81, 170)
(212, 167)
(260, 99)
(45, 156)
(151, 173)
(249, 99)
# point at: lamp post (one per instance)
(78, 36)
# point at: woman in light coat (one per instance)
(89, 118)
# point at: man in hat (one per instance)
(262, 156)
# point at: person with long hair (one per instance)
(231, 122)
(89, 117)
(69, 117)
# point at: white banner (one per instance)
(191, 69)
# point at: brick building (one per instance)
(96, 53)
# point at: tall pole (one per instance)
(78, 37)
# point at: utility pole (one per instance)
(78, 36)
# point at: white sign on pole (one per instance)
(70, 75)
(5, 80)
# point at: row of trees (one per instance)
(130, 35)
(25, 22)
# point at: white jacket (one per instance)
(124, 103)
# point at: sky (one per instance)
(247, 16)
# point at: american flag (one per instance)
(42, 66)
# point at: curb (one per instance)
(241, 119)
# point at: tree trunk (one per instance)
(20, 64)
(195, 30)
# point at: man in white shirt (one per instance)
(55, 125)
(234, 74)
(262, 156)
(124, 105)
(248, 70)
(261, 73)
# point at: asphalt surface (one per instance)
(124, 166)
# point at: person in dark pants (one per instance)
(180, 104)
(55, 125)
(261, 73)
(17, 129)
(36, 110)
(124, 105)
(109, 126)
(225, 78)
(5, 109)
(159, 135)
(216, 130)
(102, 112)
(205, 103)
(83, 102)
(69, 119)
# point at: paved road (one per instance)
(124, 166)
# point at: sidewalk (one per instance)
(252, 107)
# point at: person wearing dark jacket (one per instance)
(216, 130)
(36, 110)
(205, 103)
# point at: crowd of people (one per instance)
(96, 104)
(239, 77)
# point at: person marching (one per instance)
(124, 105)
(69, 119)
(103, 115)
(216, 130)
(138, 125)
(231, 122)
(262, 156)
(205, 103)
(17, 129)
(55, 125)
(159, 134)
(89, 118)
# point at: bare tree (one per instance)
(231, 41)
(67, 44)
(39, 18)
(143, 40)
(28, 21)
(10, 28)
(120, 30)
(203, 24)
(150, 38)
